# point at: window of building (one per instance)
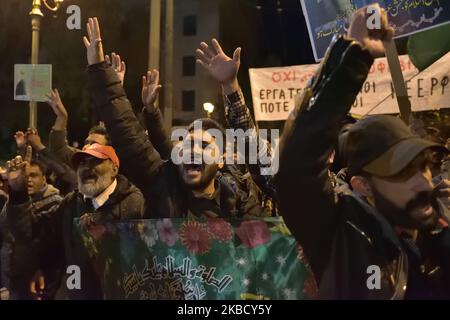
(188, 100)
(190, 25)
(188, 66)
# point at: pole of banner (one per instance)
(399, 82)
(168, 64)
(154, 35)
(36, 15)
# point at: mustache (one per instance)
(422, 199)
(87, 174)
(193, 166)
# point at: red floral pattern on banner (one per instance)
(310, 288)
(253, 233)
(219, 229)
(195, 237)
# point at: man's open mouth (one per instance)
(193, 169)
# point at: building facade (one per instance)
(194, 21)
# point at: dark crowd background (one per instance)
(270, 32)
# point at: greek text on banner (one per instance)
(274, 89)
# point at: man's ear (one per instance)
(115, 170)
(362, 186)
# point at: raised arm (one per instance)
(140, 162)
(224, 70)
(58, 135)
(21, 142)
(304, 189)
(26, 225)
(66, 179)
(152, 114)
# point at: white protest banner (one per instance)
(274, 89)
(427, 90)
(32, 82)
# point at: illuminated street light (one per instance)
(209, 108)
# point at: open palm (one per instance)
(150, 88)
(118, 65)
(93, 42)
(220, 66)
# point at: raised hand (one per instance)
(34, 140)
(118, 65)
(37, 285)
(220, 66)
(372, 40)
(93, 42)
(17, 171)
(150, 89)
(21, 140)
(54, 101)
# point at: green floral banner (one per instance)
(197, 259)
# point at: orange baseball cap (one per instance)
(97, 151)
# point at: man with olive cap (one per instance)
(102, 195)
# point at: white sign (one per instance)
(32, 82)
(274, 89)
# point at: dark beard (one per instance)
(403, 217)
(208, 174)
(94, 189)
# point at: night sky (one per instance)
(272, 33)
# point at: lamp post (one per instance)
(36, 15)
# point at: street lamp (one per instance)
(36, 15)
(209, 108)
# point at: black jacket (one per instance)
(159, 180)
(237, 177)
(157, 134)
(344, 236)
(65, 178)
(18, 261)
(53, 236)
